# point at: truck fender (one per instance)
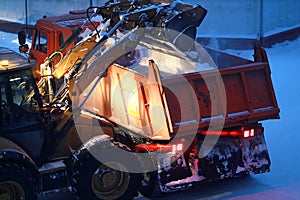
(92, 147)
(88, 146)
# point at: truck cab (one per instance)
(50, 33)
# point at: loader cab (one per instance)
(20, 115)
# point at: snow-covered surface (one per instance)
(280, 29)
(9, 40)
(194, 178)
(282, 136)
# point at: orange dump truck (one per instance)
(204, 115)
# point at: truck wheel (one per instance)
(15, 183)
(150, 186)
(96, 181)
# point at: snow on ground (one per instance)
(282, 136)
(9, 40)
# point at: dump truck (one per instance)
(140, 108)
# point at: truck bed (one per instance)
(248, 96)
(155, 104)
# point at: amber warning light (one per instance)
(4, 63)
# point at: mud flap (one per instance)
(222, 161)
(255, 154)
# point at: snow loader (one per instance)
(138, 108)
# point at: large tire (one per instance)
(150, 182)
(95, 180)
(150, 185)
(15, 183)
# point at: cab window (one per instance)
(41, 42)
(61, 39)
(18, 105)
(20, 88)
(17, 91)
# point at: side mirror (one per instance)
(22, 37)
(23, 48)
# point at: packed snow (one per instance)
(282, 137)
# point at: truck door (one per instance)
(20, 119)
(41, 46)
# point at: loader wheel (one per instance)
(150, 186)
(98, 181)
(15, 183)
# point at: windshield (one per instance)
(18, 90)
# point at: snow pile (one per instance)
(194, 178)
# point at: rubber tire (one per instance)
(152, 189)
(18, 174)
(83, 181)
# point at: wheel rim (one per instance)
(110, 183)
(11, 190)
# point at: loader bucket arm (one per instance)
(95, 67)
(96, 62)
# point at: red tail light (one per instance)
(248, 133)
(222, 133)
(242, 132)
(174, 148)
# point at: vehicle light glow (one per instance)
(4, 63)
(248, 133)
(245, 133)
(160, 147)
(222, 133)
(179, 147)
